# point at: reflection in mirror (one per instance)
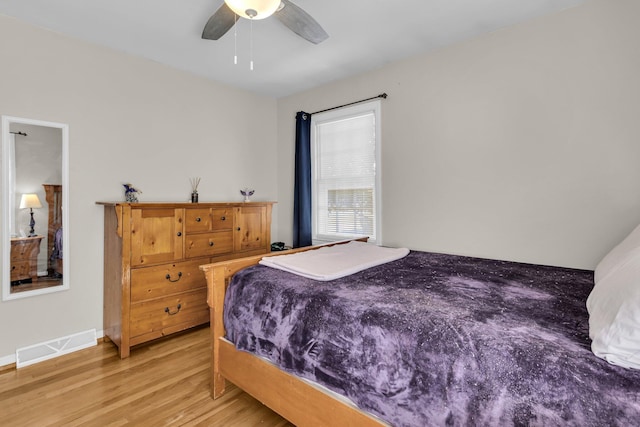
(35, 214)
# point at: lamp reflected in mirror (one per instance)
(30, 201)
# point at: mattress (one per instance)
(436, 339)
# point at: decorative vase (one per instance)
(130, 193)
(194, 197)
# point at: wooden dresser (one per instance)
(152, 284)
(24, 258)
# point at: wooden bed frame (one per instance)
(294, 399)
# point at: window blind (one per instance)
(345, 176)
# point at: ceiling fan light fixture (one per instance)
(253, 9)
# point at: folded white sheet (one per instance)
(333, 262)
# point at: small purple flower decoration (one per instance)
(247, 192)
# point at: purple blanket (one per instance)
(437, 339)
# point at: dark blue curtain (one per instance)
(302, 188)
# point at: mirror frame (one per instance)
(6, 231)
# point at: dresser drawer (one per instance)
(156, 318)
(208, 244)
(221, 219)
(22, 270)
(203, 220)
(19, 252)
(25, 249)
(197, 220)
(166, 279)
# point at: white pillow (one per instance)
(626, 250)
(614, 315)
(614, 304)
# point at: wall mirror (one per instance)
(35, 214)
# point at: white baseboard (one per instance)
(7, 360)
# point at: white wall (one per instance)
(520, 145)
(130, 120)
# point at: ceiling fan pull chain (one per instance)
(251, 47)
(235, 40)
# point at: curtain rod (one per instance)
(382, 95)
(19, 133)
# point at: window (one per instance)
(345, 153)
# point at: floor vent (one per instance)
(57, 347)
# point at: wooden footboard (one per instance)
(294, 399)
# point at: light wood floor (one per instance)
(43, 282)
(165, 383)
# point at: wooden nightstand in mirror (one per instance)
(24, 259)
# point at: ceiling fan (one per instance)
(292, 16)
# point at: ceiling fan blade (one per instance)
(219, 23)
(301, 23)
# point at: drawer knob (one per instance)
(210, 243)
(168, 277)
(198, 219)
(224, 218)
(179, 233)
(238, 228)
(170, 313)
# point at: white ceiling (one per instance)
(363, 34)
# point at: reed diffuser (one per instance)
(194, 189)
